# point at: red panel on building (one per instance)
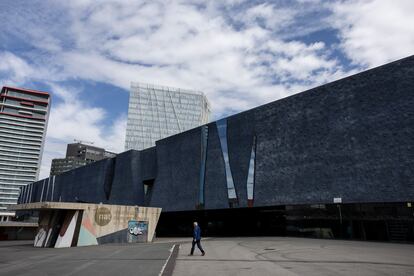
(27, 103)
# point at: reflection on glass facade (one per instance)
(156, 112)
(222, 133)
(250, 176)
(53, 187)
(204, 140)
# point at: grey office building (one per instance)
(23, 122)
(78, 155)
(156, 112)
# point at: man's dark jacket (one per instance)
(197, 233)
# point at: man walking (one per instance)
(197, 239)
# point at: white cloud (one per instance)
(267, 15)
(73, 119)
(240, 53)
(187, 44)
(181, 44)
(14, 68)
(375, 32)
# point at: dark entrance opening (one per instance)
(367, 221)
(227, 222)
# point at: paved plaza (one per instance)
(295, 256)
(21, 258)
(225, 256)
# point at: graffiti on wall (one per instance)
(137, 231)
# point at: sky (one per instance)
(240, 53)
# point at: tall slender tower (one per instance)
(156, 112)
(23, 122)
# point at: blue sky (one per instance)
(240, 53)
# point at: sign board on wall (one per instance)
(103, 216)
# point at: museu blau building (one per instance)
(335, 161)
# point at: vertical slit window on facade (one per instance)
(204, 141)
(251, 174)
(222, 133)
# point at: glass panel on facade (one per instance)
(222, 133)
(250, 176)
(204, 140)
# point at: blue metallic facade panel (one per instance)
(215, 183)
(176, 186)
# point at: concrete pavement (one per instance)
(224, 256)
(295, 256)
(21, 258)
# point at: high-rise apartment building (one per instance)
(78, 155)
(23, 122)
(156, 112)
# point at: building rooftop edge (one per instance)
(164, 87)
(69, 206)
(26, 90)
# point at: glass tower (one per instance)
(23, 122)
(156, 112)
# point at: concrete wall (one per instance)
(63, 224)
